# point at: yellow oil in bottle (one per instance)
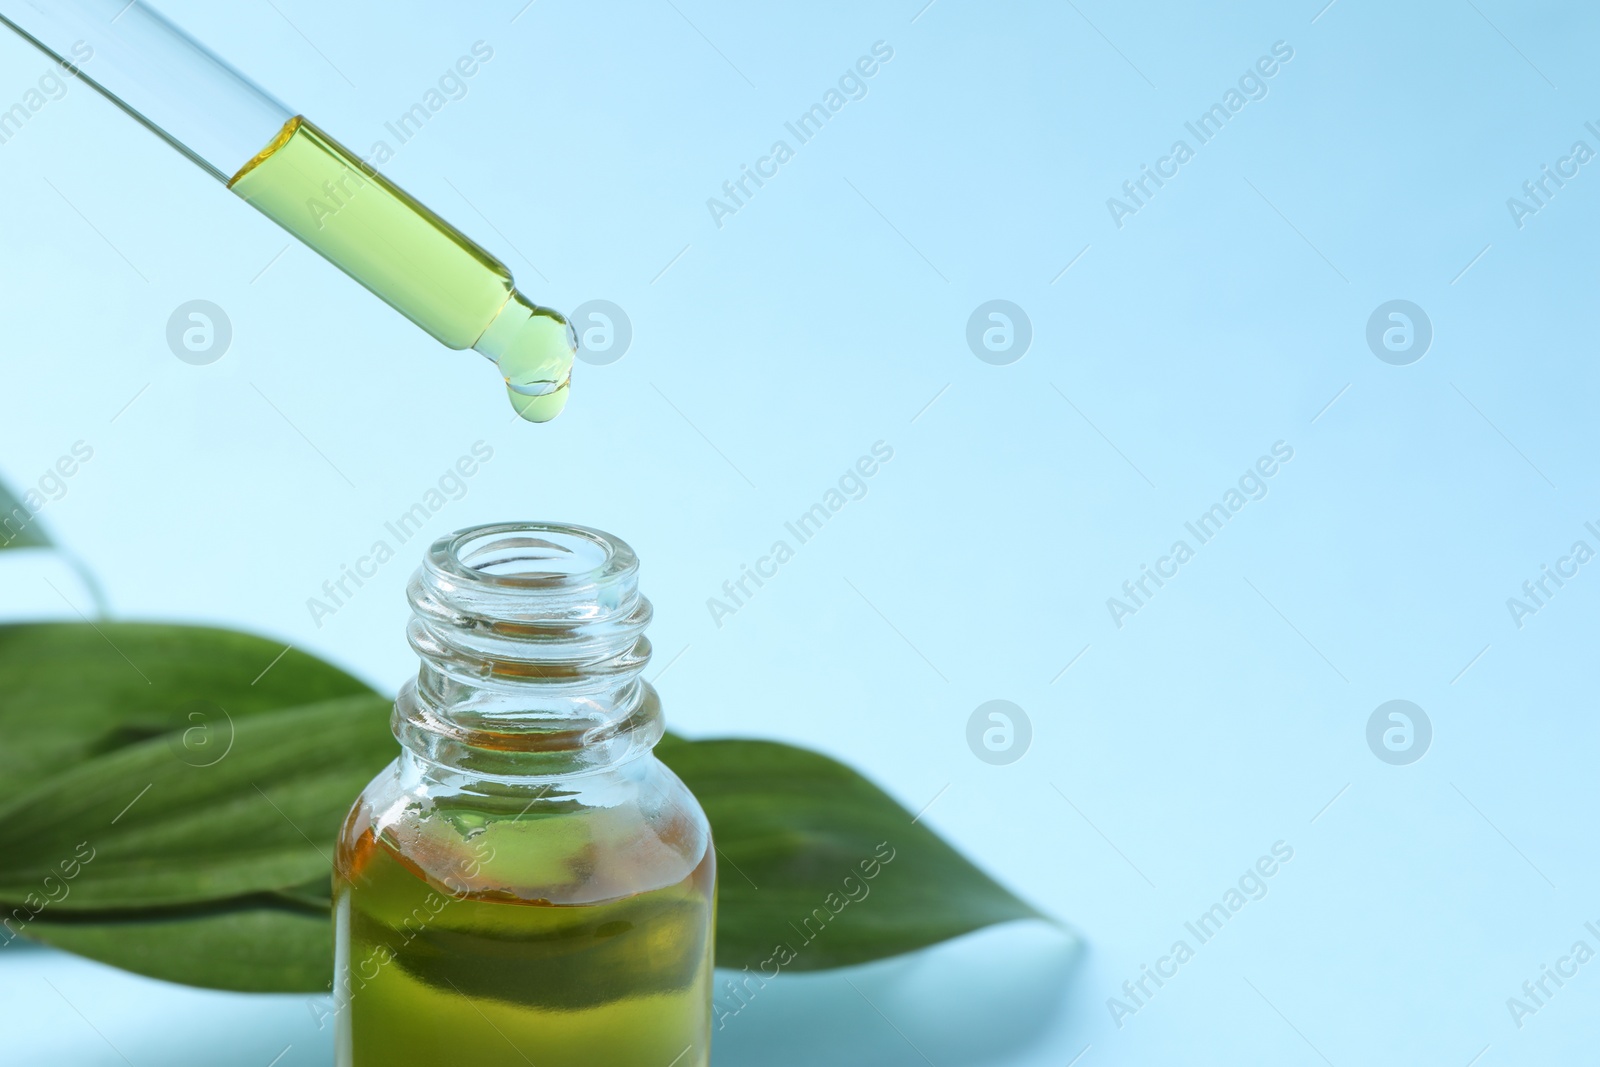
(415, 261)
(443, 975)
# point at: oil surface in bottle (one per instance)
(442, 975)
(414, 260)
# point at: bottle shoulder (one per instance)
(583, 839)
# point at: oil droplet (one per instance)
(541, 408)
(534, 347)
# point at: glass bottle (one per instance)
(526, 883)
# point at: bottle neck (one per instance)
(531, 641)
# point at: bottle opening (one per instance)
(531, 604)
(555, 555)
(523, 567)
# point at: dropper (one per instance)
(311, 185)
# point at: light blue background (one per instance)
(823, 317)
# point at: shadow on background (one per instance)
(973, 1000)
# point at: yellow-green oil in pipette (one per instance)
(416, 262)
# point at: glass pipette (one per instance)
(309, 184)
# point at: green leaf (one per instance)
(18, 527)
(813, 858)
(250, 946)
(74, 690)
(21, 528)
(212, 839)
(798, 833)
(145, 827)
